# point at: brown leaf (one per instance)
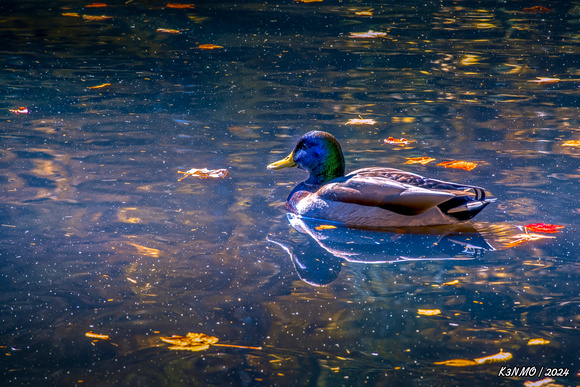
(96, 5)
(209, 46)
(168, 31)
(205, 173)
(180, 6)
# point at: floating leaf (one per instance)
(20, 110)
(451, 283)
(324, 227)
(308, 1)
(197, 342)
(545, 81)
(97, 336)
(364, 13)
(397, 141)
(428, 312)
(538, 9)
(524, 238)
(369, 34)
(102, 86)
(71, 14)
(419, 160)
(543, 227)
(209, 47)
(96, 5)
(539, 341)
(361, 121)
(575, 143)
(205, 173)
(96, 18)
(458, 164)
(180, 6)
(168, 31)
(497, 358)
(457, 363)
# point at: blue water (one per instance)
(99, 235)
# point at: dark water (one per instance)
(98, 235)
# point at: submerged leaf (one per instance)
(205, 173)
(458, 164)
(543, 227)
(419, 160)
(180, 6)
(456, 363)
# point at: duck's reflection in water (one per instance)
(319, 261)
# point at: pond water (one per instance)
(99, 235)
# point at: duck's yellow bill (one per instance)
(288, 162)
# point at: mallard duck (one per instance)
(372, 197)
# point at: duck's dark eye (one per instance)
(300, 146)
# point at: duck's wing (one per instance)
(383, 192)
(476, 193)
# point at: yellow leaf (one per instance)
(497, 358)
(575, 143)
(428, 312)
(209, 47)
(539, 341)
(454, 282)
(97, 336)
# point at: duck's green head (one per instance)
(318, 153)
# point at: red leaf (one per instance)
(543, 227)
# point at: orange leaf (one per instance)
(456, 362)
(20, 110)
(180, 6)
(168, 31)
(324, 227)
(97, 336)
(96, 5)
(209, 47)
(575, 143)
(543, 227)
(71, 14)
(419, 160)
(364, 13)
(537, 9)
(458, 164)
(99, 86)
(397, 141)
(369, 34)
